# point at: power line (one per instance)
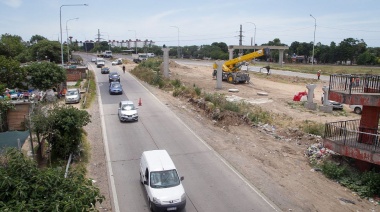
(357, 30)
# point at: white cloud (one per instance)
(12, 3)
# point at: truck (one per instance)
(138, 58)
(105, 54)
(232, 72)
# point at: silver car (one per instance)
(72, 96)
(127, 111)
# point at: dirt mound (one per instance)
(173, 64)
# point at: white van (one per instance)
(161, 181)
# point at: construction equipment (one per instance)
(232, 72)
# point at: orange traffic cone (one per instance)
(140, 104)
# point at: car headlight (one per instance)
(183, 197)
(156, 201)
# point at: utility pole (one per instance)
(241, 39)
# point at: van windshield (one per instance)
(164, 179)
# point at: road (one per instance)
(211, 184)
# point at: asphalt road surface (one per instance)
(211, 184)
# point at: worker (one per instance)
(319, 74)
(124, 69)
(268, 69)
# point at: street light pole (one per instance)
(135, 40)
(178, 52)
(60, 23)
(315, 28)
(67, 39)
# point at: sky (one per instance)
(195, 22)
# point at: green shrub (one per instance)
(258, 115)
(197, 90)
(312, 127)
(176, 83)
(332, 170)
(231, 106)
(371, 180)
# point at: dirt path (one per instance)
(276, 165)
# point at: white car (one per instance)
(127, 111)
(117, 62)
(357, 108)
(72, 96)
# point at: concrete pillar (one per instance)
(281, 56)
(219, 72)
(310, 95)
(326, 107)
(166, 61)
(325, 90)
(230, 54)
(369, 124)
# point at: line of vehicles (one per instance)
(158, 173)
(127, 111)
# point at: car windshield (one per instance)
(115, 85)
(164, 179)
(128, 107)
(114, 75)
(71, 93)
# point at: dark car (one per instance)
(114, 77)
(115, 88)
(105, 70)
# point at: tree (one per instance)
(47, 50)
(4, 108)
(11, 74)
(367, 58)
(25, 187)
(40, 126)
(66, 124)
(190, 51)
(45, 75)
(11, 45)
(223, 46)
(350, 49)
(37, 38)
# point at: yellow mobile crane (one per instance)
(231, 68)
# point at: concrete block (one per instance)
(326, 108)
(311, 105)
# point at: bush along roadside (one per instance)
(339, 168)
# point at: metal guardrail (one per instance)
(355, 83)
(350, 133)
